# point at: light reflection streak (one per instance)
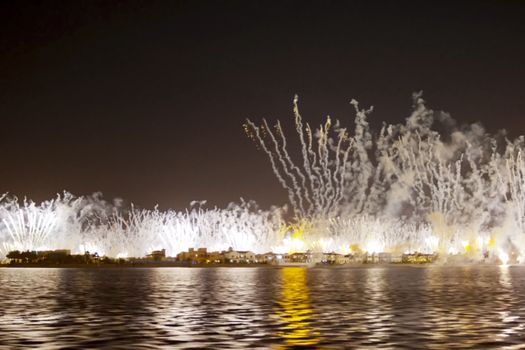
(514, 326)
(379, 315)
(295, 310)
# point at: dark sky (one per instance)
(145, 100)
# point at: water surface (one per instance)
(219, 308)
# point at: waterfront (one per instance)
(364, 307)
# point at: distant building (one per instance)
(418, 258)
(298, 257)
(199, 256)
(239, 257)
(215, 258)
(293, 259)
(157, 255)
(379, 258)
(266, 258)
(332, 258)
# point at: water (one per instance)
(217, 308)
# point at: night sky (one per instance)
(145, 100)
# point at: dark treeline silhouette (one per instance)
(57, 257)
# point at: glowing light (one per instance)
(92, 249)
(374, 247)
(327, 244)
(479, 242)
(354, 248)
(432, 242)
(290, 245)
(466, 246)
(503, 257)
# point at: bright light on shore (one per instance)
(503, 257)
(452, 250)
(479, 242)
(466, 246)
(290, 245)
(122, 255)
(374, 247)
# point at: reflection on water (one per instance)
(218, 308)
(294, 309)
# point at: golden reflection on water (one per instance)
(295, 311)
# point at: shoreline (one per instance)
(236, 266)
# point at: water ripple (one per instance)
(260, 308)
